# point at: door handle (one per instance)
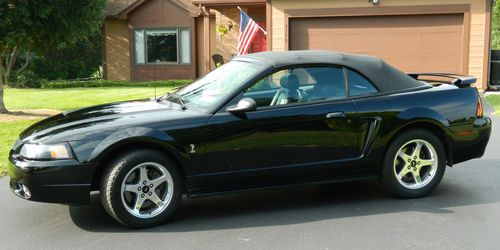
(335, 115)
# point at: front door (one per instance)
(302, 129)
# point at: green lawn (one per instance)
(66, 99)
(60, 99)
(494, 101)
(9, 132)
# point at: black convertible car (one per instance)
(262, 120)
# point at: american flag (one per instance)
(248, 30)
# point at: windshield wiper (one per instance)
(179, 97)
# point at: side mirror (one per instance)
(244, 105)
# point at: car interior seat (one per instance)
(290, 92)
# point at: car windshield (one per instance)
(213, 88)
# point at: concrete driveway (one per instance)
(464, 212)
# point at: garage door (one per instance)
(411, 43)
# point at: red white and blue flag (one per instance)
(248, 31)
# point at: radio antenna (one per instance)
(156, 61)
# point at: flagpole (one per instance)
(265, 33)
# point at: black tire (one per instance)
(388, 172)
(111, 187)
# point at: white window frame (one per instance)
(177, 31)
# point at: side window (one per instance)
(358, 85)
(330, 84)
(263, 84)
(264, 90)
(296, 85)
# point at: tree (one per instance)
(495, 27)
(36, 26)
(80, 60)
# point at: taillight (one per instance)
(479, 110)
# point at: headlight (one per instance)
(44, 152)
(16, 144)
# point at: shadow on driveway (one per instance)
(298, 205)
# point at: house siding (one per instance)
(200, 43)
(117, 52)
(227, 44)
(478, 8)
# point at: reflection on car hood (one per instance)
(115, 108)
(91, 120)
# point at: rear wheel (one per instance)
(414, 164)
(141, 188)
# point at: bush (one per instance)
(60, 84)
(27, 79)
(74, 61)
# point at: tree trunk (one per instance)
(26, 63)
(10, 64)
(3, 110)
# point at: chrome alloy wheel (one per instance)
(147, 190)
(415, 164)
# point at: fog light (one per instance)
(20, 189)
(27, 193)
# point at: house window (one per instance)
(169, 46)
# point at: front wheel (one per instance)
(414, 164)
(141, 188)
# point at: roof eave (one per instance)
(124, 13)
(113, 17)
(187, 9)
(220, 3)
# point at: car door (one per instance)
(305, 137)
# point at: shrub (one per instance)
(60, 84)
(79, 60)
(27, 79)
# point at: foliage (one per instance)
(78, 60)
(28, 79)
(99, 73)
(37, 26)
(41, 25)
(495, 27)
(59, 84)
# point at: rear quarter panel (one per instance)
(445, 107)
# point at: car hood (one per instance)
(115, 108)
(92, 121)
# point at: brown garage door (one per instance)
(411, 43)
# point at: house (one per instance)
(425, 35)
(150, 39)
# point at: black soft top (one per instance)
(384, 76)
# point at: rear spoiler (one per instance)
(461, 81)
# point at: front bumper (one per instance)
(61, 181)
